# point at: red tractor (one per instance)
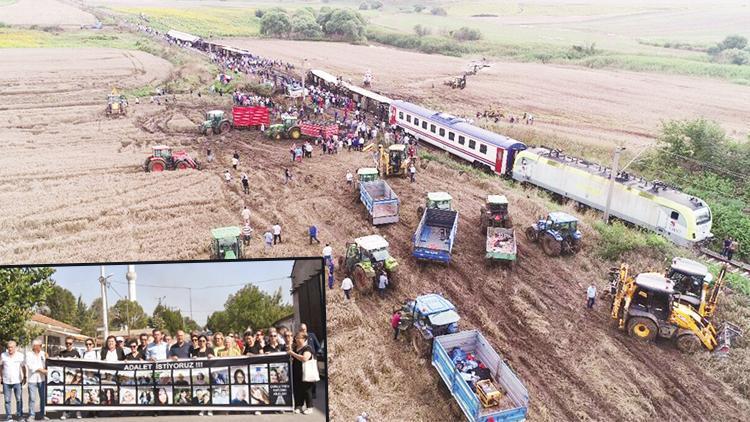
(164, 159)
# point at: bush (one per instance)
(305, 26)
(421, 31)
(581, 51)
(259, 13)
(376, 4)
(425, 44)
(733, 42)
(466, 34)
(364, 6)
(275, 23)
(418, 8)
(617, 239)
(733, 56)
(439, 11)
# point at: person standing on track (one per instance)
(590, 296)
(733, 248)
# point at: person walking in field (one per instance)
(590, 296)
(235, 160)
(209, 155)
(347, 286)
(246, 214)
(228, 176)
(349, 178)
(412, 172)
(327, 253)
(382, 284)
(395, 322)
(247, 233)
(245, 184)
(313, 232)
(287, 176)
(268, 238)
(276, 233)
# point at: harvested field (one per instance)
(589, 106)
(44, 13)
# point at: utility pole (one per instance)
(612, 176)
(105, 311)
(190, 292)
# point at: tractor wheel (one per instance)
(551, 246)
(420, 211)
(294, 133)
(181, 165)
(157, 165)
(341, 261)
(224, 127)
(361, 281)
(575, 246)
(532, 234)
(641, 328)
(688, 343)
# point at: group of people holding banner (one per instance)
(278, 346)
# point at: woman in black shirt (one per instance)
(301, 352)
(134, 354)
(203, 350)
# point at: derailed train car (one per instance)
(683, 219)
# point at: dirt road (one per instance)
(588, 106)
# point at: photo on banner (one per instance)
(290, 298)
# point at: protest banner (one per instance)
(246, 383)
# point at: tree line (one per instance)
(311, 24)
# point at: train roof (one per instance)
(367, 93)
(461, 125)
(654, 188)
(322, 74)
(182, 36)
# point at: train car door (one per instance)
(499, 160)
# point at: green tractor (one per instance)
(216, 122)
(436, 200)
(365, 259)
(226, 244)
(287, 129)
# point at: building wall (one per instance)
(308, 288)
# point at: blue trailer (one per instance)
(435, 234)
(509, 397)
(381, 201)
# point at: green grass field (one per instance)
(203, 21)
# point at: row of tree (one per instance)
(733, 50)
(308, 23)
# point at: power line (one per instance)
(711, 166)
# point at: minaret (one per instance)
(131, 276)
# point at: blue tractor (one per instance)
(426, 317)
(558, 233)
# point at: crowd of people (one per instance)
(18, 368)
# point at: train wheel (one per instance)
(641, 328)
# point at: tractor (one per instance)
(365, 174)
(287, 129)
(365, 259)
(436, 200)
(647, 306)
(695, 286)
(425, 318)
(495, 213)
(163, 158)
(558, 234)
(394, 162)
(116, 103)
(225, 243)
(216, 122)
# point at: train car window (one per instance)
(483, 148)
(432, 128)
(472, 144)
(424, 124)
(461, 140)
(451, 136)
(675, 215)
(408, 118)
(442, 132)
(416, 122)
(401, 115)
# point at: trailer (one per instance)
(381, 201)
(435, 234)
(501, 244)
(250, 116)
(498, 396)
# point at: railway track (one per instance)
(735, 267)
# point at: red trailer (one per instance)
(313, 130)
(250, 116)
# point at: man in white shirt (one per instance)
(346, 286)
(276, 233)
(349, 178)
(327, 253)
(382, 284)
(37, 378)
(590, 296)
(158, 349)
(13, 377)
(246, 214)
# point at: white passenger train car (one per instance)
(478, 146)
(681, 218)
